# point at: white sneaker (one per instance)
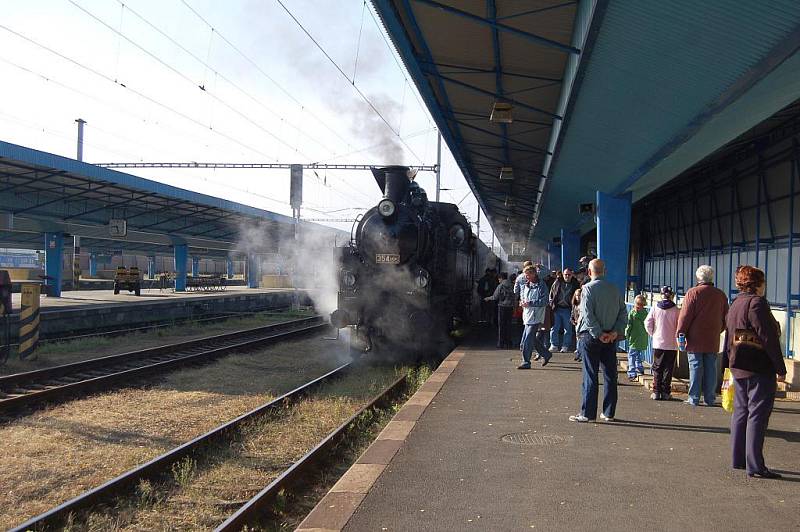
(563, 350)
(654, 396)
(606, 418)
(579, 418)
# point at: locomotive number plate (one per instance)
(387, 258)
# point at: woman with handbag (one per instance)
(754, 353)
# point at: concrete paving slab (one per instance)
(358, 479)
(495, 451)
(332, 512)
(380, 452)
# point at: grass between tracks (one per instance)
(57, 353)
(199, 495)
(53, 455)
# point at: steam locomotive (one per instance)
(407, 275)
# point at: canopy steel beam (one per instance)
(60, 198)
(539, 10)
(100, 232)
(468, 69)
(502, 27)
(495, 95)
(498, 74)
(111, 205)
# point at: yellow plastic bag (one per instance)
(727, 390)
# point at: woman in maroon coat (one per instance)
(754, 351)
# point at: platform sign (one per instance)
(517, 252)
(296, 190)
(117, 228)
(29, 320)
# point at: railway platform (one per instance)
(484, 446)
(90, 310)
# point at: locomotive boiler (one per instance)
(406, 276)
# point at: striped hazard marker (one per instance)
(29, 320)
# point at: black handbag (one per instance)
(747, 352)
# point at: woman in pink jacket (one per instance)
(661, 323)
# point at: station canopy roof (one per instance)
(42, 192)
(617, 96)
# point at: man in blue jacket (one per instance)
(533, 299)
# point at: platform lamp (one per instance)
(506, 173)
(502, 112)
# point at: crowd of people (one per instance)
(584, 313)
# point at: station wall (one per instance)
(739, 208)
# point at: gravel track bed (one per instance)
(200, 496)
(55, 454)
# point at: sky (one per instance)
(287, 81)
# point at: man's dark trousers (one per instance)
(595, 353)
(504, 326)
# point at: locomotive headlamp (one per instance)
(386, 207)
(348, 278)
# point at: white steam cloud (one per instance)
(311, 258)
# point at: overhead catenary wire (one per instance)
(352, 81)
(134, 91)
(109, 104)
(265, 74)
(400, 66)
(177, 72)
(107, 78)
(208, 67)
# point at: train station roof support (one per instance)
(613, 96)
(42, 192)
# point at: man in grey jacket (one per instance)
(602, 323)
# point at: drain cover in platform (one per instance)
(526, 438)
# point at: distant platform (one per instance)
(85, 311)
(84, 298)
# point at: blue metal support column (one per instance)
(229, 267)
(195, 266)
(570, 248)
(151, 267)
(53, 258)
(181, 254)
(614, 235)
(252, 271)
(92, 264)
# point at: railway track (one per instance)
(160, 466)
(22, 390)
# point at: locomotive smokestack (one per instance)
(394, 182)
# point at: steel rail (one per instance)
(24, 389)
(162, 463)
(249, 513)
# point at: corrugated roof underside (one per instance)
(464, 51)
(657, 69)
